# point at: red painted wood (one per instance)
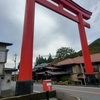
(25, 72)
(73, 7)
(84, 44)
(59, 10)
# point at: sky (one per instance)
(52, 31)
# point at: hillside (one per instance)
(94, 47)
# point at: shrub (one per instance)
(54, 82)
(64, 78)
(71, 82)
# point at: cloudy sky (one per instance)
(52, 31)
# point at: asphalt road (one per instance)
(90, 93)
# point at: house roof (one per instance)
(50, 67)
(5, 44)
(57, 73)
(10, 69)
(40, 73)
(79, 60)
(41, 65)
(65, 62)
(53, 73)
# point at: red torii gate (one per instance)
(24, 84)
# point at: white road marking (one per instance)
(36, 91)
(84, 87)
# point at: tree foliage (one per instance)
(49, 58)
(41, 59)
(64, 53)
(94, 47)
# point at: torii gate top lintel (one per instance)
(68, 5)
(74, 7)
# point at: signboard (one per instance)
(48, 83)
(2, 56)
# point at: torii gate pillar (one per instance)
(24, 84)
(90, 77)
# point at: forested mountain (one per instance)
(94, 47)
(67, 52)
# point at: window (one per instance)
(69, 69)
(95, 68)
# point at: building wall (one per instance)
(76, 69)
(1, 68)
(97, 74)
(75, 79)
(5, 84)
(3, 48)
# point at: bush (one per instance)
(54, 82)
(64, 78)
(63, 83)
(66, 82)
(71, 82)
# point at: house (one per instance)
(73, 68)
(5, 73)
(48, 72)
(76, 67)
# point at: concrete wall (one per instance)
(5, 84)
(74, 77)
(3, 48)
(53, 95)
(76, 69)
(1, 68)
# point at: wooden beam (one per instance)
(59, 10)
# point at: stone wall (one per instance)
(42, 96)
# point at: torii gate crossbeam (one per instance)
(24, 84)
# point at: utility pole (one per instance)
(15, 59)
(84, 77)
(15, 55)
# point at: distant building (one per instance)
(72, 68)
(5, 73)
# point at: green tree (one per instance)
(49, 60)
(40, 60)
(37, 61)
(64, 53)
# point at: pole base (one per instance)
(24, 87)
(90, 79)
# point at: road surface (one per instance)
(90, 93)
